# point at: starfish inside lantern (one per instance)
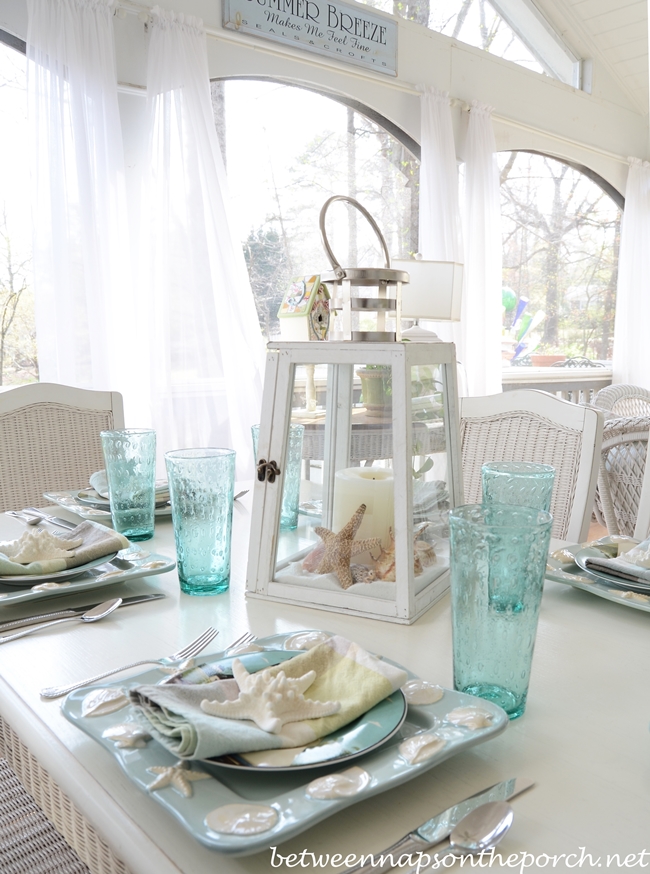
(339, 549)
(270, 701)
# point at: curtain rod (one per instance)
(124, 7)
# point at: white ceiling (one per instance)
(613, 31)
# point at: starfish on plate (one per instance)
(339, 548)
(178, 776)
(271, 701)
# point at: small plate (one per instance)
(287, 794)
(100, 576)
(70, 501)
(28, 580)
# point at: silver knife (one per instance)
(76, 611)
(54, 520)
(439, 827)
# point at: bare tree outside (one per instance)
(561, 241)
(18, 359)
(346, 154)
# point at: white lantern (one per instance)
(378, 468)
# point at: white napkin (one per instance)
(633, 565)
(99, 482)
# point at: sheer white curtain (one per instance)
(80, 239)
(480, 340)
(440, 220)
(631, 350)
(206, 349)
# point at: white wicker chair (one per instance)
(623, 465)
(49, 439)
(623, 400)
(532, 425)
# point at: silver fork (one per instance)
(242, 641)
(172, 660)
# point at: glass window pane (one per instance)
(561, 235)
(287, 151)
(18, 359)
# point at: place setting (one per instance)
(615, 567)
(40, 564)
(251, 746)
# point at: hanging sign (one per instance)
(344, 31)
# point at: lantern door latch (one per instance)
(267, 470)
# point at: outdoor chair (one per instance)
(49, 439)
(531, 425)
(621, 476)
(623, 400)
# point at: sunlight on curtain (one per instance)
(479, 347)
(631, 363)
(206, 349)
(80, 240)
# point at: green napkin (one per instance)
(344, 672)
(96, 542)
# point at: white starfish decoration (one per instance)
(271, 701)
(178, 776)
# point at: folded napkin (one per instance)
(80, 545)
(99, 482)
(345, 673)
(633, 565)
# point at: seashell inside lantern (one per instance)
(424, 555)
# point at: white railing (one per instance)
(577, 384)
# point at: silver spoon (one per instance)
(28, 520)
(93, 615)
(481, 829)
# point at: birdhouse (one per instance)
(380, 469)
(304, 313)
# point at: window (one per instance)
(561, 233)
(511, 29)
(288, 150)
(18, 360)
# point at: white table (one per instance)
(584, 736)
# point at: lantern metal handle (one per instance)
(339, 272)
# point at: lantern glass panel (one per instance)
(346, 474)
(430, 474)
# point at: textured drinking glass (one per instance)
(291, 489)
(130, 457)
(201, 488)
(498, 559)
(524, 483)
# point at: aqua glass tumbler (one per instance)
(292, 472)
(498, 560)
(201, 489)
(524, 483)
(130, 458)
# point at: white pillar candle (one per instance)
(372, 486)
